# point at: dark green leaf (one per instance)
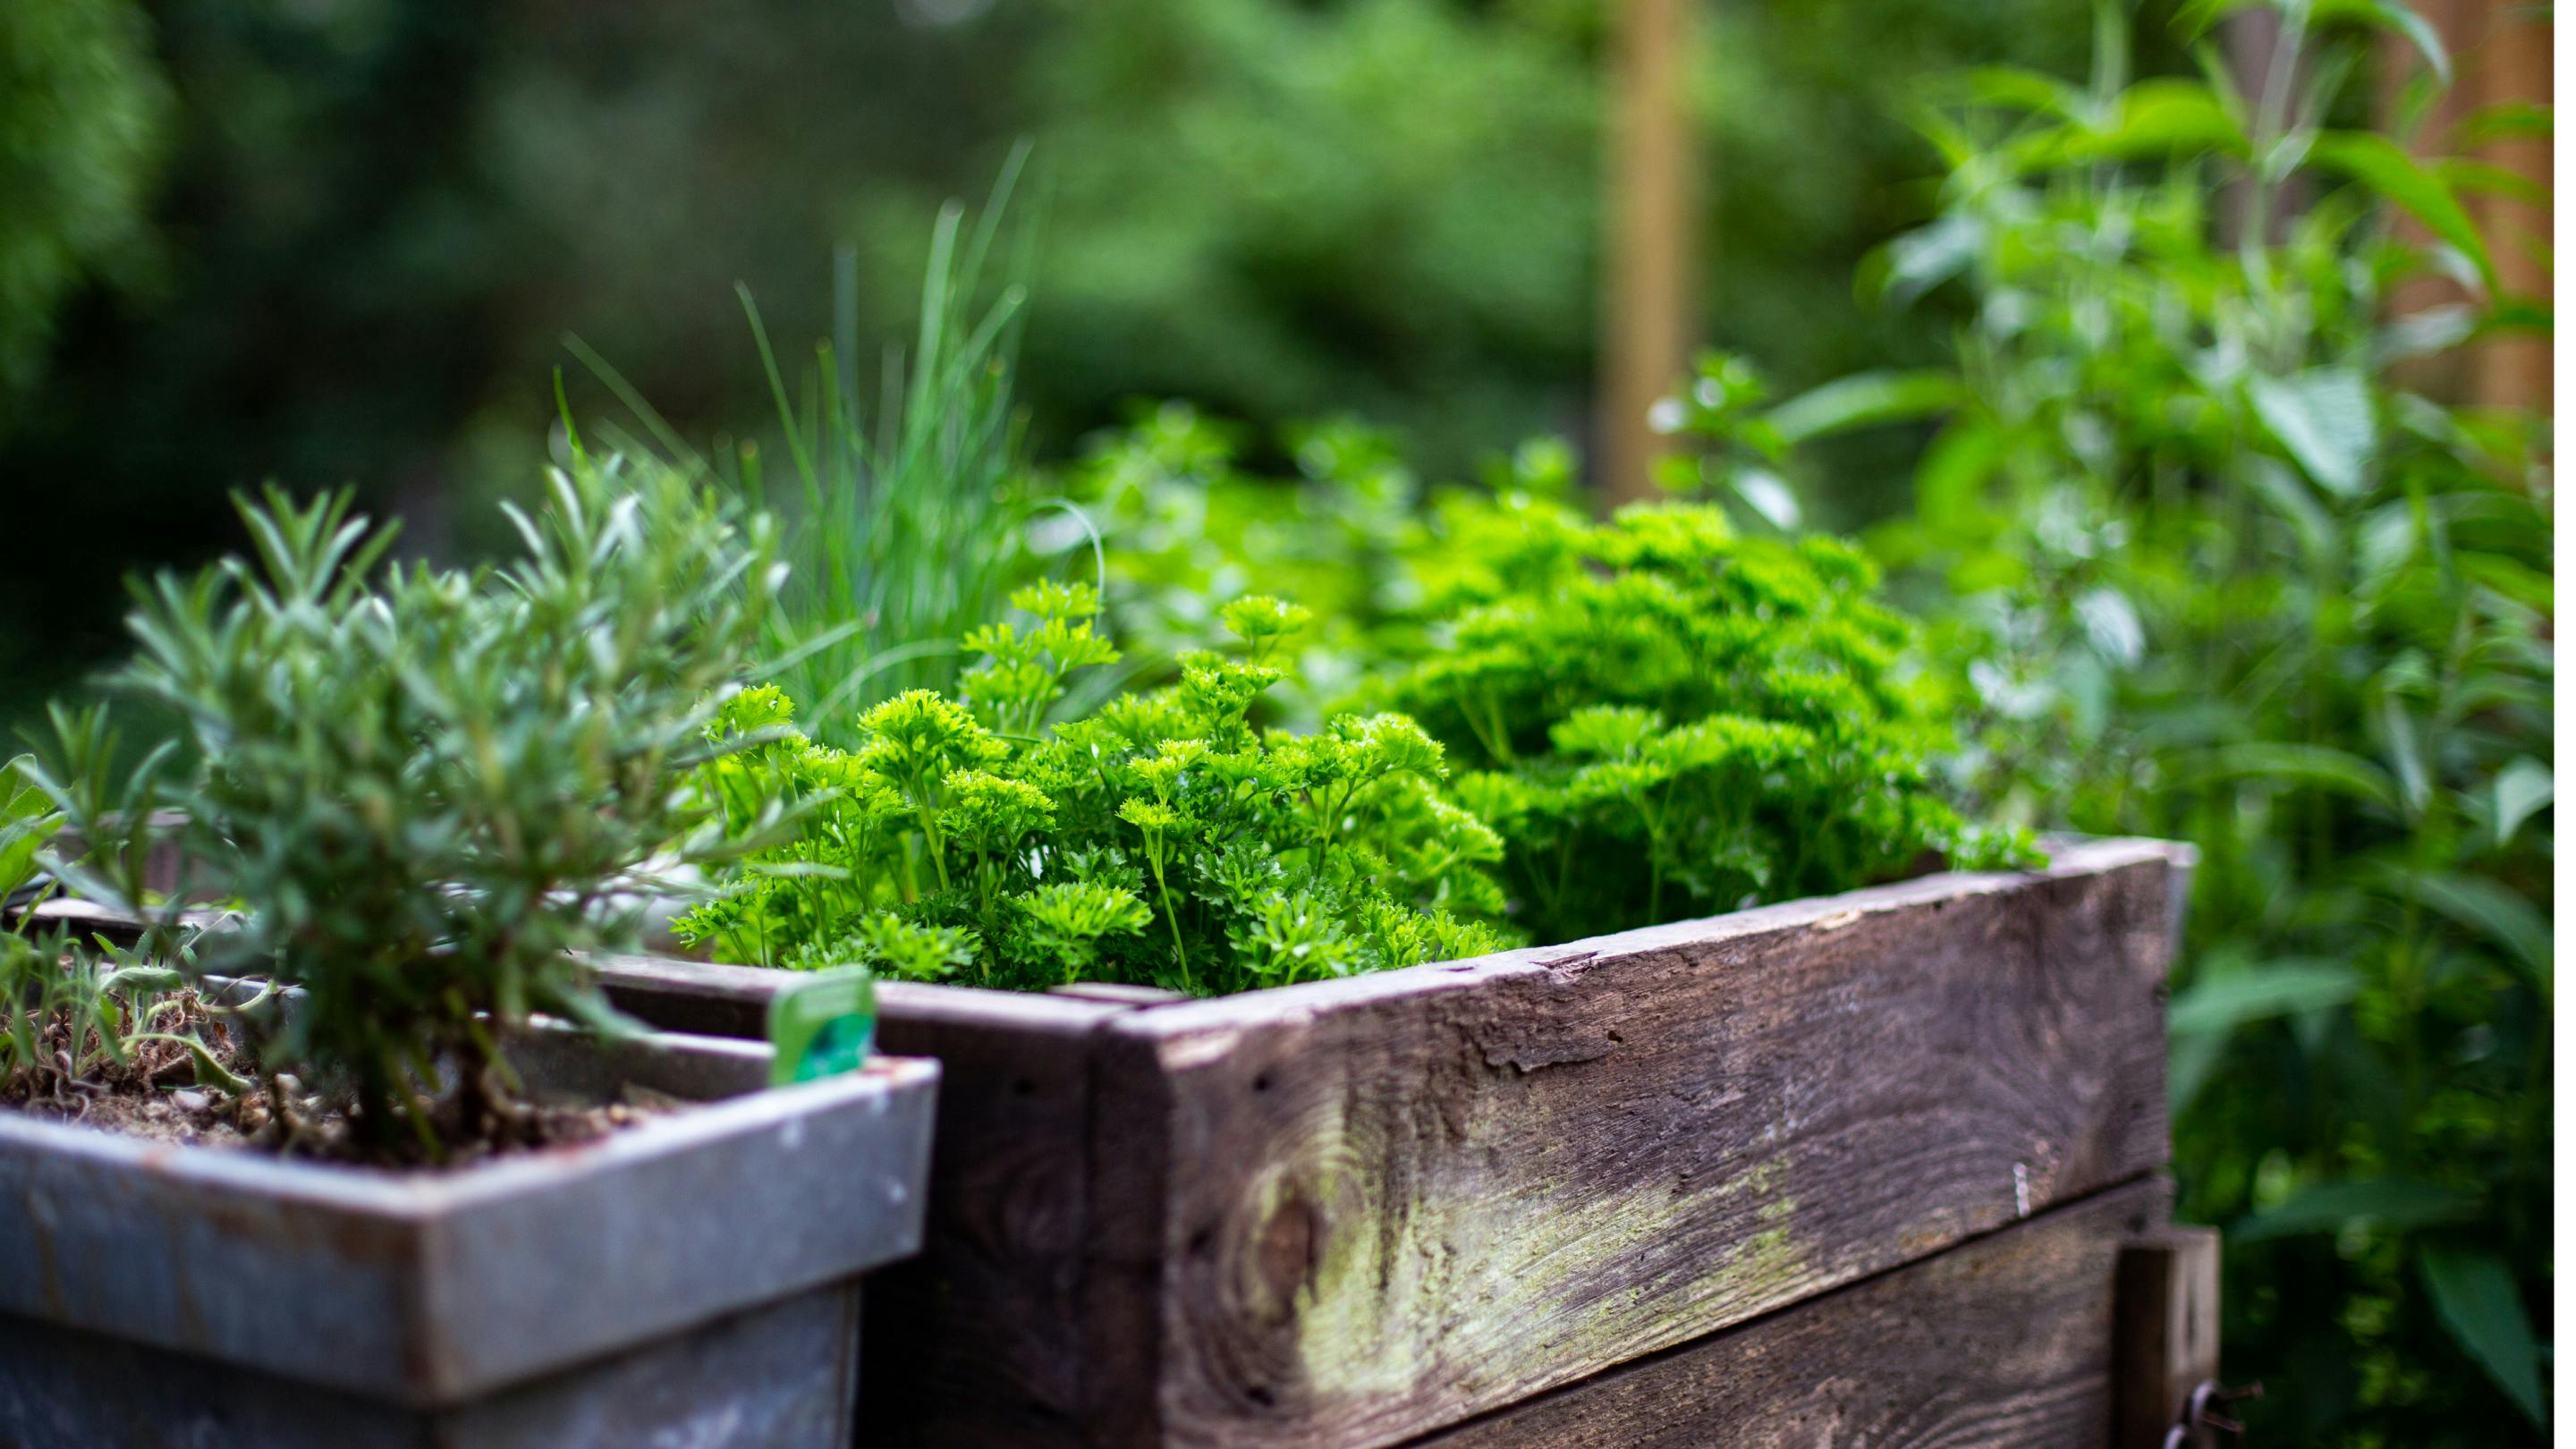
(2395, 17)
(2483, 906)
(2327, 1207)
(2474, 1293)
(2320, 766)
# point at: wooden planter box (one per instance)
(692, 1280)
(1853, 1169)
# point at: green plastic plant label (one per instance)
(822, 1026)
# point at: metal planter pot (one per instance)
(692, 1281)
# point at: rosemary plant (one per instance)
(428, 788)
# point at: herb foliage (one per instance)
(1162, 838)
(1668, 719)
(2230, 577)
(905, 514)
(427, 789)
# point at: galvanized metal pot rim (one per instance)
(431, 1289)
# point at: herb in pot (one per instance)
(428, 788)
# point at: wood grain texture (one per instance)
(978, 1341)
(1392, 1203)
(2002, 1343)
(1353, 1213)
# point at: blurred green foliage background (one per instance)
(339, 241)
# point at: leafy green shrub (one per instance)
(427, 788)
(2231, 579)
(1159, 839)
(1672, 720)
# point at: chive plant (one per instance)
(906, 514)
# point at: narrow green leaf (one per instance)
(2406, 750)
(1767, 494)
(2154, 117)
(2474, 1294)
(2396, 17)
(2326, 1207)
(2321, 766)
(2484, 906)
(1927, 256)
(2197, 18)
(2378, 163)
(2425, 332)
(2495, 123)
(2281, 486)
(2017, 88)
(2277, 988)
(1865, 400)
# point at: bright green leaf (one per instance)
(1766, 493)
(2521, 789)
(2323, 417)
(1865, 400)
(2159, 116)
(2513, 118)
(2022, 89)
(1927, 256)
(2378, 163)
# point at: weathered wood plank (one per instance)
(977, 1342)
(675, 995)
(1388, 1204)
(2166, 1340)
(2003, 1343)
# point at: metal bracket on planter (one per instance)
(2200, 1414)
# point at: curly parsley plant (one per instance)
(1669, 720)
(1161, 839)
